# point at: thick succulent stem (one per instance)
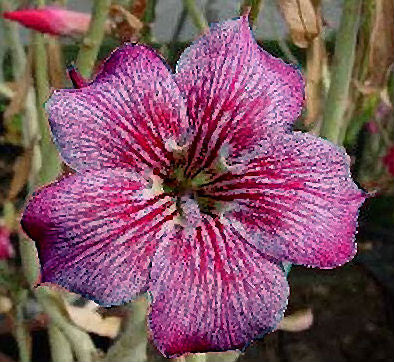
(22, 335)
(132, 343)
(60, 347)
(79, 340)
(337, 98)
(197, 357)
(92, 41)
(14, 42)
(148, 19)
(51, 167)
(255, 8)
(196, 15)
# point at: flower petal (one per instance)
(212, 292)
(96, 233)
(295, 200)
(236, 92)
(123, 118)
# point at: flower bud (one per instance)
(51, 20)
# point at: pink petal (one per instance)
(212, 292)
(123, 118)
(96, 233)
(236, 92)
(295, 200)
(51, 20)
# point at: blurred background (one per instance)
(345, 50)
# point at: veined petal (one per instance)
(295, 200)
(236, 93)
(96, 233)
(123, 118)
(212, 292)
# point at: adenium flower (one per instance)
(192, 186)
(51, 20)
(388, 160)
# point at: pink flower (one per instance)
(51, 20)
(6, 250)
(388, 160)
(193, 187)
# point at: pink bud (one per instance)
(388, 160)
(6, 250)
(51, 20)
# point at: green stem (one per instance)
(179, 26)
(92, 41)
(51, 167)
(196, 15)
(255, 8)
(229, 356)
(148, 19)
(14, 42)
(6, 91)
(132, 343)
(21, 333)
(180, 359)
(337, 98)
(29, 258)
(79, 340)
(197, 357)
(9, 214)
(60, 347)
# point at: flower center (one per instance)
(188, 183)
(180, 184)
(183, 188)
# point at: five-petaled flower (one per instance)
(193, 187)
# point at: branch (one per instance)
(132, 343)
(337, 98)
(196, 15)
(79, 340)
(255, 8)
(60, 346)
(14, 42)
(148, 19)
(51, 167)
(21, 332)
(92, 41)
